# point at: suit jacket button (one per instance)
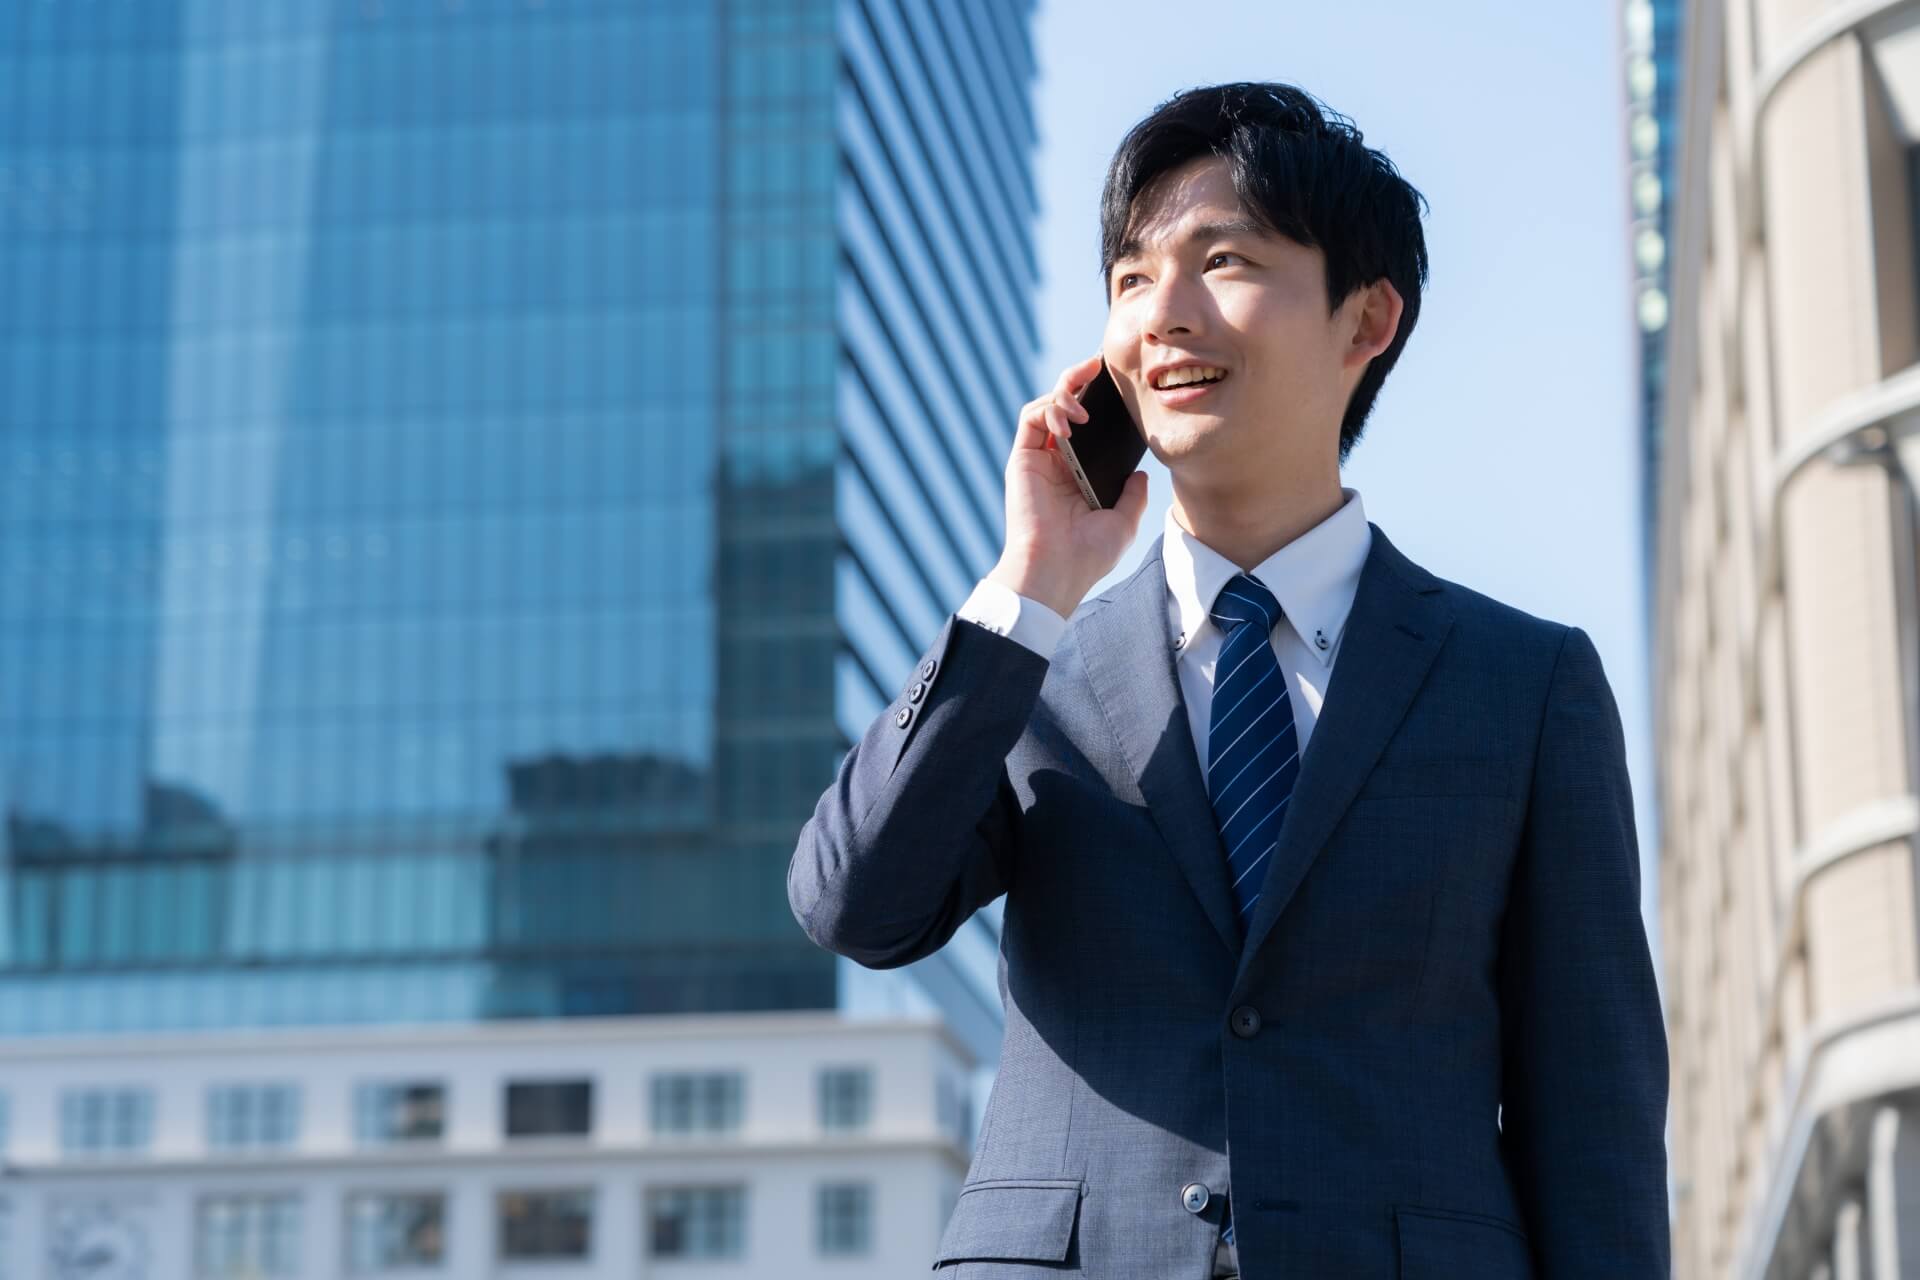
(916, 691)
(1246, 1022)
(1195, 1196)
(901, 717)
(926, 669)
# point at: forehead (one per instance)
(1196, 193)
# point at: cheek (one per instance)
(1251, 314)
(1122, 352)
(1116, 338)
(1276, 342)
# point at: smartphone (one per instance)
(1107, 447)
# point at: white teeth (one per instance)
(1192, 373)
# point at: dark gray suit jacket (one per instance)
(1450, 928)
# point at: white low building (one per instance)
(790, 1145)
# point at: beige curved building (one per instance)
(1787, 659)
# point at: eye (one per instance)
(1224, 254)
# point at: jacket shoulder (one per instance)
(1492, 614)
(1516, 638)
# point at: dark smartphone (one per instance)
(1107, 447)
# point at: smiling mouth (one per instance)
(1189, 375)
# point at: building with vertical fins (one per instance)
(468, 471)
(1787, 654)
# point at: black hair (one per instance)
(1303, 171)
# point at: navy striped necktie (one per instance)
(1253, 751)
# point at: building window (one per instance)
(390, 1111)
(546, 1224)
(106, 1121)
(846, 1099)
(843, 1219)
(252, 1117)
(697, 1222)
(241, 1237)
(707, 1102)
(549, 1108)
(953, 1106)
(947, 1104)
(949, 1195)
(392, 1231)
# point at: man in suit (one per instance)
(1380, 1008)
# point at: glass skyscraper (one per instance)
(1655, 46)
(468, 470)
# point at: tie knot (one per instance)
(1243, 600)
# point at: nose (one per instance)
(1170, 309)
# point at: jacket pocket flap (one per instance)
(1023, 1219)
(1439, 1243)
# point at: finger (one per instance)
(1032, 432)
(1075, 376)
(1076, 412)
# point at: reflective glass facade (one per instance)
(467, 472)
(1656, 46)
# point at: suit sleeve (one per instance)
(1584, 1047)
(916, 833)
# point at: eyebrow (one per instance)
(1133, 246)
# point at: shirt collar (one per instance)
(1314, 577)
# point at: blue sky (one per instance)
(1502, 452)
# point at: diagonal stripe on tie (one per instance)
(1253, 752)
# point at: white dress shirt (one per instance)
(1314, 578)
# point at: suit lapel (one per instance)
(1398, 622)
(1130, 662)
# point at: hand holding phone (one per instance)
(1072, 511)
(1110, 442)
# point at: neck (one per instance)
(1246, 524)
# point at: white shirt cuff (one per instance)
(1004, 611)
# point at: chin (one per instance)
(1182, 435)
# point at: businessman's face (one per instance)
(1201, 281)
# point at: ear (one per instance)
(1378, 320)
